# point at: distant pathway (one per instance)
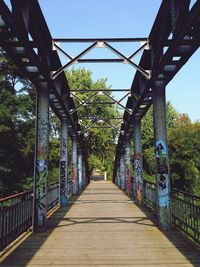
(103, 228)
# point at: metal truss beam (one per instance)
(103, 44)
(171, 44)
(90, 40)
(29, 44)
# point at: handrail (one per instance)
(15, 195)
(16, 213)
(186, 193)
(185, 209)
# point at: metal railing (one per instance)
(185, 209)
(150, 194)
(186, 213)
(16, 213)
(15, 216)
(53, 195)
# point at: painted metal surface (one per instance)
(84, 173)
(138, 168)
(53, 195)
(128, 168)
(74, 167)
(122, 171)
(41, 159)
(118, 182)
(15, 216)
(64, 163)
(161, 156)
(80, 170)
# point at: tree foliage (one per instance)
(100, 141)
(16, 129)
(184, 150)
(17, 133)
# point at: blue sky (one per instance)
(120, 18)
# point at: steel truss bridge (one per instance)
(174, 38)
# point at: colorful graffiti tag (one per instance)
(122, 177)
(74, 181)
(128, 175)
(41, 190)
(162, 174)
(63, 170)
(42, 170)
(138, 176)
(63, 187)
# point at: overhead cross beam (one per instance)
(103, 43)
(98, 92)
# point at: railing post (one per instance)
(74, 167)
(64, 163)
(122, 169)
(41, 160)
(128, 168)
(80, 169)
(161, 156)
(138, 166)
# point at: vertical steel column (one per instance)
(84, 175)
(41, 160)
(122, 169)
(118, 176)
(161, 155)
(80, 170)
(74, 167)
(138, 166)
(64, 163)
(128, 168)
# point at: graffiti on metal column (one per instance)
(138, 176)
(42, 169)
(128, 175)
(74, 179)
(63, 171)
(63, 187)
(162, 173)
(122, 182)
(41, 186)
(64, 147)
(128, 182)
(43, 130)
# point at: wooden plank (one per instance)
(102, 227)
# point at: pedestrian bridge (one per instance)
(76, 222)
(103, 227)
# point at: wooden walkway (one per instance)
(102, 227)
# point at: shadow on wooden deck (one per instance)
(25, 252)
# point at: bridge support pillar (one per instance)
(138, 166)
(122, 169)
(118, 182)
(41, 160)
(80, 170)
(74, 167)
(64, 163)
(128, 168)
(161, 156)
(84, 175)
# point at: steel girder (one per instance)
(25, 37)
(174, 38)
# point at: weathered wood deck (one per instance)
(102, 227)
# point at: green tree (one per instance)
(100, 141)
(148, 138)
(16, 129)
(184, 153)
